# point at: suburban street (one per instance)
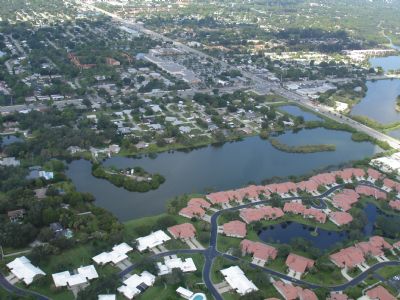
(259, 83)
(212, 252)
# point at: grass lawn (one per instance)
(4, 295)
(259, 278)
(192, 281)
(146, 225)
(299, 219)
(380, 204)
(67, 261)
(354, 292)
(226, 243)
(389, 272)
(331, 277)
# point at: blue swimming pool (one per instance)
(198, 296)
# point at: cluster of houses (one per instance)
(342, 200)
(262, 253)
(356, 256)
(286, 189)
(77, 280)
(348, 258)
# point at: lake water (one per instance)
(9, 139)
(380, 101)
(284, 233)
(387, 63)
(297, 111)
(215, 168)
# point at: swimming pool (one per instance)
(198, 296)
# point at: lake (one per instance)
(387, 63)
(9, 139)
(284, 233)
(297, 111)
(380, 101)
(215, 168)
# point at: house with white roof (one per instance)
(22, 269)
(186, 265)
(46, 175)
(152, 240)
(115, 256)
(84, 275)
(238, 281)
(184, 293)
(107, 297)
(137, 284)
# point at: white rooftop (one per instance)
(235, 277)
(122, 248)
(61, 279)
(186, 265)
(107, 297)
(76, 279)
(130, 287)
(184, 292)
(22, 268)
(152, 240)
(117, 254)
(66, 278)
(128, 292)
(88, 272)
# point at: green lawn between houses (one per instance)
(266, 288)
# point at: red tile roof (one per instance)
(251, 192)
(294, 207)
(220, 197)
(256, 214)
(259, 250)
(291, 292)
(397, 245)
(380, 293)
(374, 174)
(374, 246)
(340, 218)
(371, 191)
(299, 208)
(271, 187)
(299, 263)
(347, 174)
(389, 183)
(348, 257)
(324, 179)
(200, 202)
(309, 186)
(315, 214)
(182, 231)
(337, 296)
(192, 211)
(235, 228)
(286, 187)
(395, 204)
(345, 199)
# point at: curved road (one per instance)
(212, 252)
